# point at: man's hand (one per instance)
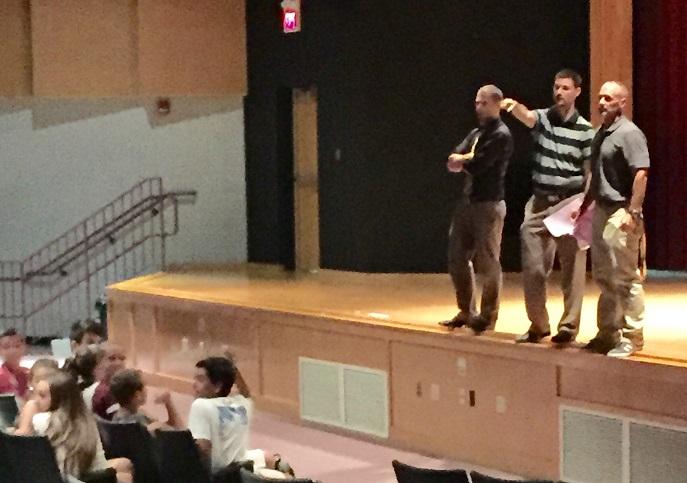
(508, 104)
(455, 163)
(163, 398)
(628, 223)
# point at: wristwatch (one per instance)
(636, 214)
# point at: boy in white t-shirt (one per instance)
(219, 421)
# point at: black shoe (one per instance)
(459, 320)
(599, 346)
(479, 324)
(531, 337)
(563, 337)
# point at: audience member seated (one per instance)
(13, 377)
(86, 332)
(130, 393)
(112, 361)
(40, 371)
(82, 367)
(71, 429)
(219, 422)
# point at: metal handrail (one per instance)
(82, 253)
(105, 233)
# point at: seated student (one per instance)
(82, 367)
(72, 430)
(13, 378)
(129, 391)
(40, 371)
(219, 422)
(112, 361)
(86, 332)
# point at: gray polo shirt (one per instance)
(618, 151)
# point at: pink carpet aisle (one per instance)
(324, 456)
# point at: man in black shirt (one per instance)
(479, 163)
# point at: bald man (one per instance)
(620, 167)
(479, 164)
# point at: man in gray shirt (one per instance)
(620, 166)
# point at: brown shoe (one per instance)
(564, 336)
(531, 337)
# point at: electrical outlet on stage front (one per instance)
(434, 392)
(500, 404)
(462, 394)
(462, 366)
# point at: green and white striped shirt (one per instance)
(560, 150)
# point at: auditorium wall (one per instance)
(63, 159)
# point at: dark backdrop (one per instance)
(396, 81)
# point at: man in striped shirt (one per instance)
(562, 149)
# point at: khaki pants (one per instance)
(538, 249)
(615, 256)
(475, 234)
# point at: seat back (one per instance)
(8, 410)
(30, 459)
(7, 463)
(232, 472)
(179, 457)
(132, 441)
(481, 478)
(411, 474)
(108, 475)
(250, 477)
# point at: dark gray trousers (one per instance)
(475, 246)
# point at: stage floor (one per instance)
(416, 301)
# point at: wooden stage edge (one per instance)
(479, 399)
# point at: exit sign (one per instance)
(291, 16)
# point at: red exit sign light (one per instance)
(291, 16)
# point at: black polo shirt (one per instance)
(483, 178)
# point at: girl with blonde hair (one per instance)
(71, 429)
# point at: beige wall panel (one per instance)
(281, 346)
(610, 43)
(431, 402)
(184, 338)
(306, 189)
(145, 336)
(120, 324)
(654, 396)
(15, 48)
(84, 48)
(192, 47)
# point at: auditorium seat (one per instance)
(179, 457)
(410, 474)
(30, 459)
(8, 410)
(132, 441)
(480, 478)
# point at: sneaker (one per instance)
(624, 348)
(564, 336)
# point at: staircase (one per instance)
(45, 293)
